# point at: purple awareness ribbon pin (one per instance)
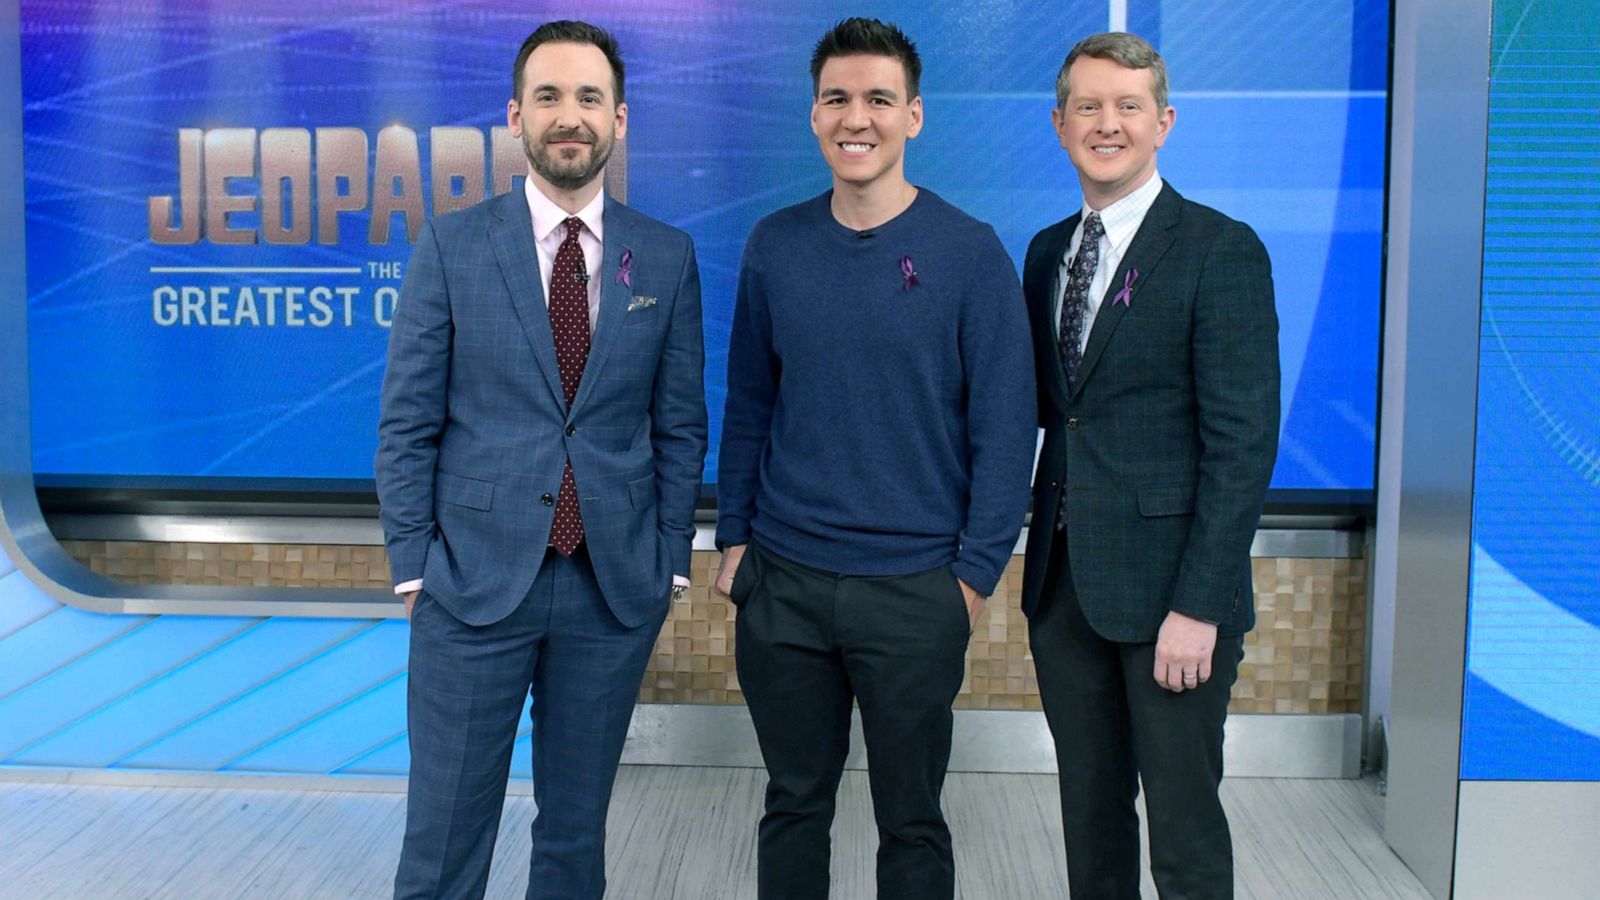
(910, 272)
(1125, 296)
(625, 270)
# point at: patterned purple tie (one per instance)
(569, 322)
(1075, 309)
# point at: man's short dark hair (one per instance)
(568, 31)
(867, 37)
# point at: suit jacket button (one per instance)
(548, 500)
(1072, 422)
(572, 430)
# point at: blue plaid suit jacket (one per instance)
(1163, 450)
(474, 430)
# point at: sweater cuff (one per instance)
(732, 532)
(980, 580)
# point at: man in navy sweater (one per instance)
(875, 462)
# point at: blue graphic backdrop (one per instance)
(1532, 706)
(1292, 143)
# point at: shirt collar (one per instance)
(1123, 218)
(547, 216)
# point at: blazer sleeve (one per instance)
(1236, 378)
(678, 429)
(1036, 287)
(412, 409)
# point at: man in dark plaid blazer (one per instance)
(1155, 337)
(540, 452)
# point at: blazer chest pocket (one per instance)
(473, 493)
(643, 310)
(1166, 500)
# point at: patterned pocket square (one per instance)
(641, 302)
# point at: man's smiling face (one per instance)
(862, 118)
(568, 118)
(1111, 127)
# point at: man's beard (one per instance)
(563, 174)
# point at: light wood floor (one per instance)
(675, 834)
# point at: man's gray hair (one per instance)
(1127, 50)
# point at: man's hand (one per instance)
(411, 600)
(1183, 652)
(975, 604)
(729, 567)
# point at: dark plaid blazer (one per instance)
(1164, 449)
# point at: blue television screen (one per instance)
(1532, 697)
(221, 197)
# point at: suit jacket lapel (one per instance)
(1045, 281)
(614, 294)
(1150, 243)
(511, 235)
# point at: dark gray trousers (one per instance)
(1114, 727)
(810, 641)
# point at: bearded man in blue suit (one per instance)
(542, 435)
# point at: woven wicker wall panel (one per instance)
(1306, 654)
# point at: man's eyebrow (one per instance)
(582, 88)
(870, 92)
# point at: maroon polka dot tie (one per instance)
(569, 322)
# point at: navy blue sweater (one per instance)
(876, 426)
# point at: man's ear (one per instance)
(1058, 124)
(1169, 116)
